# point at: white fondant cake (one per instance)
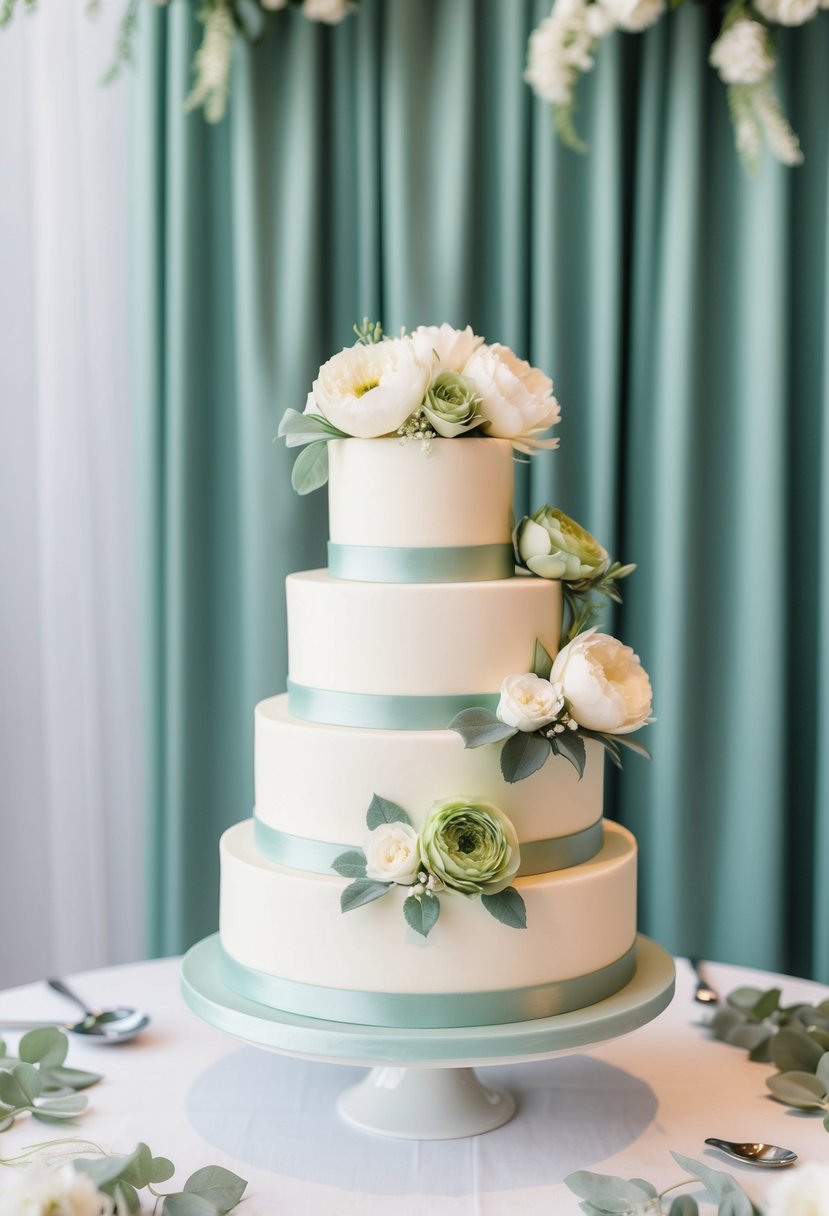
(377, 669)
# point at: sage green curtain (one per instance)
(397, 166)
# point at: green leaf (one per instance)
(735, 1203)
(382, 811)
(508, 907)
(20, 1086)
(310, 469)
(49, 1110)
(351, 864)
(422, 912)
(298, 429)
(762, 1052)
(750, 1035)
(542, 661)
(800, 1089)
(360, 892)
(822, 1070)
(648, 1187)
(792, 1050)
(715, 1182)
(2, 1048)
(106, 1171)
(217, 1185)
(184, 1204)
(73, 1078)
(126, 1196)
(825, 1124)
(821, 1037)
(608, 1193)
(684, 1205)
(724, 1021)
(768, 1004)
(631, 745)
(571, 747)
(522, 755)
(162, 1170)
(139, 1171)
(47, 1046)
(479, 726)
(745, 999)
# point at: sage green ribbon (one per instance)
(381, 712)
(317, 856)
(428, 1010)
(453, 564)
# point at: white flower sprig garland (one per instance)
(466, 846)
(437, 382)
(564, 45)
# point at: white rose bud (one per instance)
(528, 702)
(604, 684)
(392, 854)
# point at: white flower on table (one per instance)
(741, 54)
(392, 854)
(370, 390)
(802, 1192)
(604, 684)
(38, 1191)
(528, 702)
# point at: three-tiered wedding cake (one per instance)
(502, 900)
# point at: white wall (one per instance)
(71, 838)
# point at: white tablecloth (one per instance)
(199, 1097)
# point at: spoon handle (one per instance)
(64, 990)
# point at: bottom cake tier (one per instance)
(286, 944)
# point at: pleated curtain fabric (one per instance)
(397, 166)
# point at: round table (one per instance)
(200, 1097)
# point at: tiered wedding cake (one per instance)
(391, 875)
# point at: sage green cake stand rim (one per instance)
(640, 1001)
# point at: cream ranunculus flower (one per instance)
(392, 854)
(469, 845)
(604, 684)
(443, 348)
(39, 1191)
(371, 390)
(803, 1192)
(553, 545)
(516, 399)
(528, 702)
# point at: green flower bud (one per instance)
(451, 405)
(470, 846)
(554, 546)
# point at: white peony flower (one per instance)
(741, 54)
(516, 399)
(787, 12)
(443, 348)
(38, 1191)
(371, 390)
(633, 15)
(392, 854)
(528, 702)
(329, 11)
(560, 48)
(803, 1192)
(604, 684)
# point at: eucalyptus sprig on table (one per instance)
(605, 1194)
(36, 1081)
(211, 1191)
(795, 1038)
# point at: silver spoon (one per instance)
(771, 1155)
(103, 1026)
(703, 993)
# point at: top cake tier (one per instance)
(398, 514)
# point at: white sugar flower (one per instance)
(787, 12)
(604, 684)
(392, 854)
(803, 1192)
(528, 702)
(371, 390)
(444, 348)
(633, 15)
(741, 54)
(38, 1191)
(516, 399)
(560, 48)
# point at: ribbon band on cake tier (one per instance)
(376, 711)
(317, 856)
(452, 564)
(429, 1010)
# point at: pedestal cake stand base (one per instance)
(422, 1085)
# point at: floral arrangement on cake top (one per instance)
(466, 845)
(595, 688)
(437, 382)
(563, 48)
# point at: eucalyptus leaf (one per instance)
(750, 1035)
(46, 1046)
(105, 1171)
(606, 1192)
(422, 912)
(382, 811)
(351, 864)
(126, 1197)
(508, 907)
(821, 1037)
(219, 1186)
(542, 661)
(745, 998)
(64, 1107)
(310, 469)
(715, 1182)
(822, 1070)
(569, 745)
(139, 1170)
(792, 1050)
(20, 1086)
(724, 1021)
(522, 755)
(479, 726)
(825, 1124)
(162, 1170)
(298, 429)
(73, 1078)
(684, 1205)
(735, 1202)
(646, 1186)
(184, 1204)
(362, 891)
(768, 1004)
(800, 1089)
(2, 1048)
(632, 745)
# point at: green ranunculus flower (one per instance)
(470, 846)
(451, 405)
(554, 546)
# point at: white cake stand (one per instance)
(422, 1085)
